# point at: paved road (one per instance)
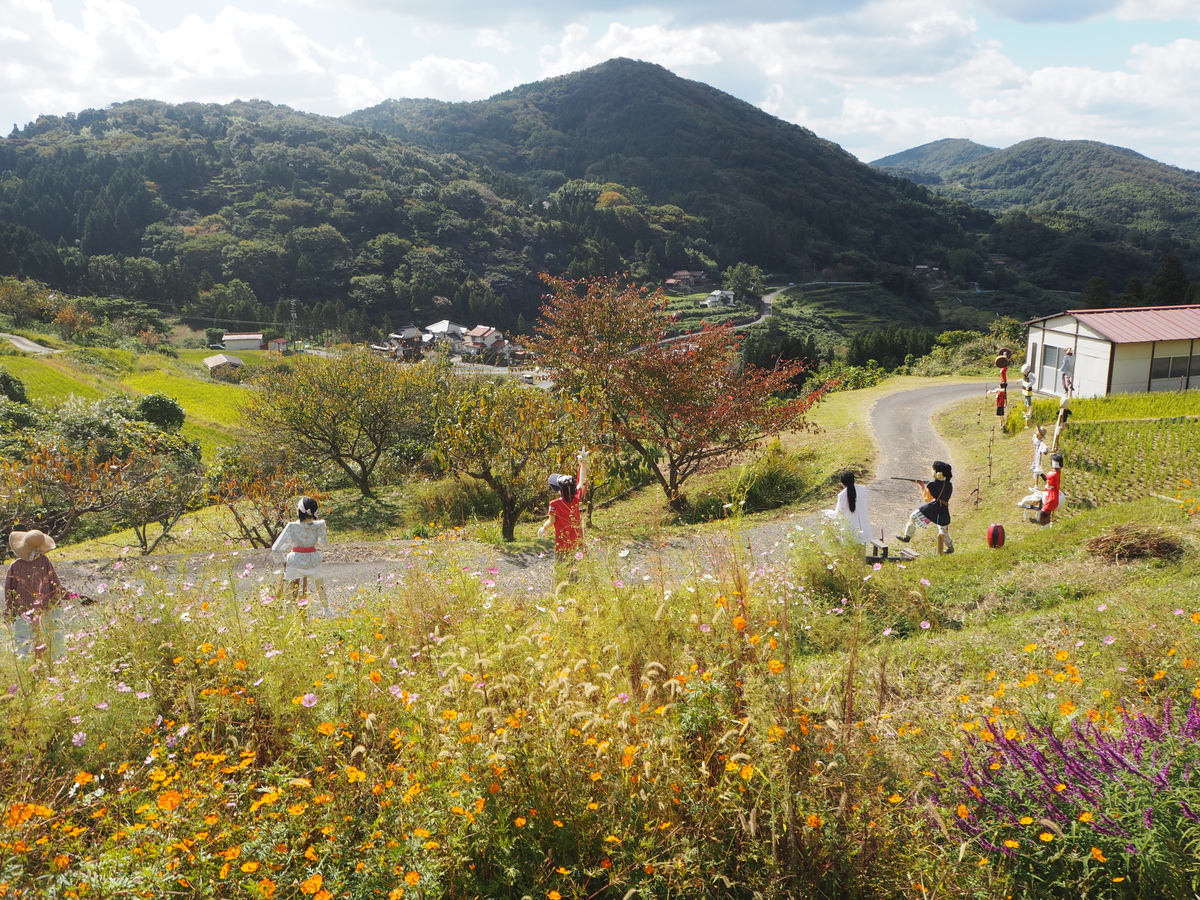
(908, 443)
(25, 344)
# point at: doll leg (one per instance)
(319, 583)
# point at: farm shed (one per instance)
(222, 363)
(1118, 351)
(243, 340)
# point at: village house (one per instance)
(243, 340)
(446, 331)
(719, 298)
(279, 345)
(686, 280)
(1117, 351)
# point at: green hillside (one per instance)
(934, 158)
(776, 192)
(1099, 181)
(213, 408)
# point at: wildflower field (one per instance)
(997, 723)
(817, 728)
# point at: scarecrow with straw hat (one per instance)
(31, 587)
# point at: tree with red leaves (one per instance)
(684, 405)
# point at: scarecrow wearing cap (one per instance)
(564, 514)
(31, 587)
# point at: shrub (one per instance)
(454, 501)
(161, 410)
(12, 387)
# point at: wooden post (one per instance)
(941, 547)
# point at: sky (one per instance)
(875, 76)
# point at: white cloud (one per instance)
(493, 39)
(442, 78)
(1158, 10)
(1050, 10)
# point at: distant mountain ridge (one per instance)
(768, 187)
(1088, 178)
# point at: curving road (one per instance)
(908, 444)
(25, 344)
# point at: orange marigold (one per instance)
(312, 884)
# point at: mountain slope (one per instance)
(935, 158)
(774, 193)
(1099, 181)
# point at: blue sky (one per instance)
(875, 77)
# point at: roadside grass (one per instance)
(604, 739)
(1157, 405)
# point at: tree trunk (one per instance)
(509, 513)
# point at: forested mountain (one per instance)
(251, 215)
(1086, 178)
(773, 194)
(935, 158)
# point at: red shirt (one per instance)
(568, 527)
(1053, 481)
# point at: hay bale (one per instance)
(1128, 541)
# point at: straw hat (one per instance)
(25, 543)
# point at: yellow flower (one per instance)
(747, 772)
(354, 774)
(813, 821)
(962, 811)
(1045, 837)
(554, 895)
(519, 821)
(895, 798)
(266, 887)
(412, 878)
(1086, 817)
(1026, 820)
(326, 728)
(84, 778)
(1098, 855)
(312, 884)
(775, 666)
(1011, 844)
(249, 867)
(739, 623)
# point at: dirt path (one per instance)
(901, 423)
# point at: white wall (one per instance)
(1131, 368)
(243, 344)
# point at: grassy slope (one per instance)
(212, 407)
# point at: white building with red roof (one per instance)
(1117, 351)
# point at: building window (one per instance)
(1173, 366)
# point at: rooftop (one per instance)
(1136, 324)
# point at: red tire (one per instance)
(995, 536)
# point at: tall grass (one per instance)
(749, 728)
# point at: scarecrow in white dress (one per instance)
(302, 541)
